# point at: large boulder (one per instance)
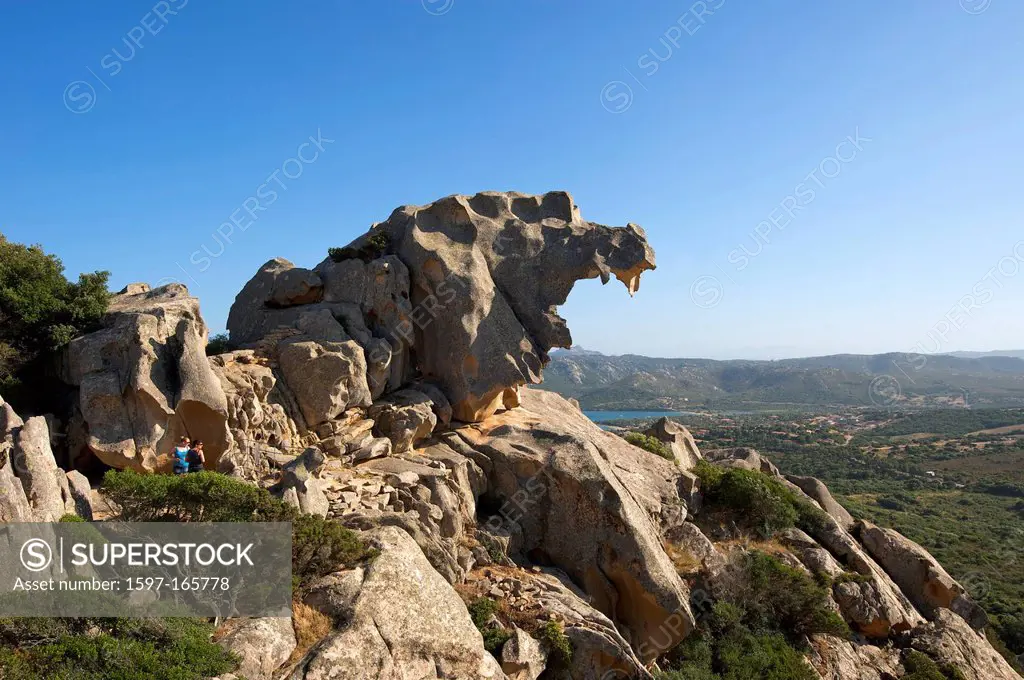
(680, 441)
(405, 417)
(14, 506)
(326, 377)
(837, 659)
(262, 644)
(919, 575)
(144, 381)
(404, 621)
(591, 504)
(277, 285)
(487, 272)
(950, 641)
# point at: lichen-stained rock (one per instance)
(522, 657)
(919, 575)
(144, 380)
(487, 272)
(949, 640)
(817, 490)
(590, 504)
(81, 495)
(262, 644)
(406, 622)
(680, 441)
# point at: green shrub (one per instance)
(481, 610)
(198, 497)
(710, 476)
(110, 649)
(553, 635)
(69, 518)
(219, 344)
(649, 444)
(373, 248)
(319, 546)
(760, 500)
(920, 667)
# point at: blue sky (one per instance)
(815, 177)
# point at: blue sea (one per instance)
(612, 416)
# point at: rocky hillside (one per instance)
(387, 389)
(629, 381)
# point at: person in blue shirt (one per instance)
(181, 452)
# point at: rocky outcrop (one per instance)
(836, 659)
(820, 493)
(919, 575)
(405, 417)
(522, 657)
(144, 381)
(680, 441)
(591, 504)
(405, 622)
(488, 271)
(950, 641)
(301, 485)
(32, 487)
(262, 645)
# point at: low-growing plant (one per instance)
(553, 635)
(649, 444)
(110, 649)
(198, 497)
(219, 344)
(69, 518)
(920, 667)
(761, 501)
(481, 610)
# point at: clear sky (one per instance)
(131, 131)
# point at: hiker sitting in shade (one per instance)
(181, 454)
(196, 457)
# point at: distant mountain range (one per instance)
(975, 379)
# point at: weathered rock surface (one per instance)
(406, 622)
(144, 380)
(680, 441)
(263, 645)
(589, 503)
(81, 495)
(405, 417)
(44, 483)
(487, 272)
(522, 657)
(817, 490)
(836, 659)
(949, 640)
(14, 506)
(301, 478)
(919, 575)
(326, 377)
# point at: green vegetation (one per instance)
(199, 497)
(650, 444)
(69, 518)
(756, 630)
(40, 312)
(920, 667)
(758, 501)
(966, 513)
(219, 344)
(110, 649)
(481, 610)
(319, 546)
(553, 635)
(374, 247)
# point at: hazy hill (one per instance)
(633, 381)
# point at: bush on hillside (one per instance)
(553, 636)
(40, 312)
(920, 667)
(198, 497)
(110, 649)
(481, 610)
(649, 444)
(219, 344)
(319, 547)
